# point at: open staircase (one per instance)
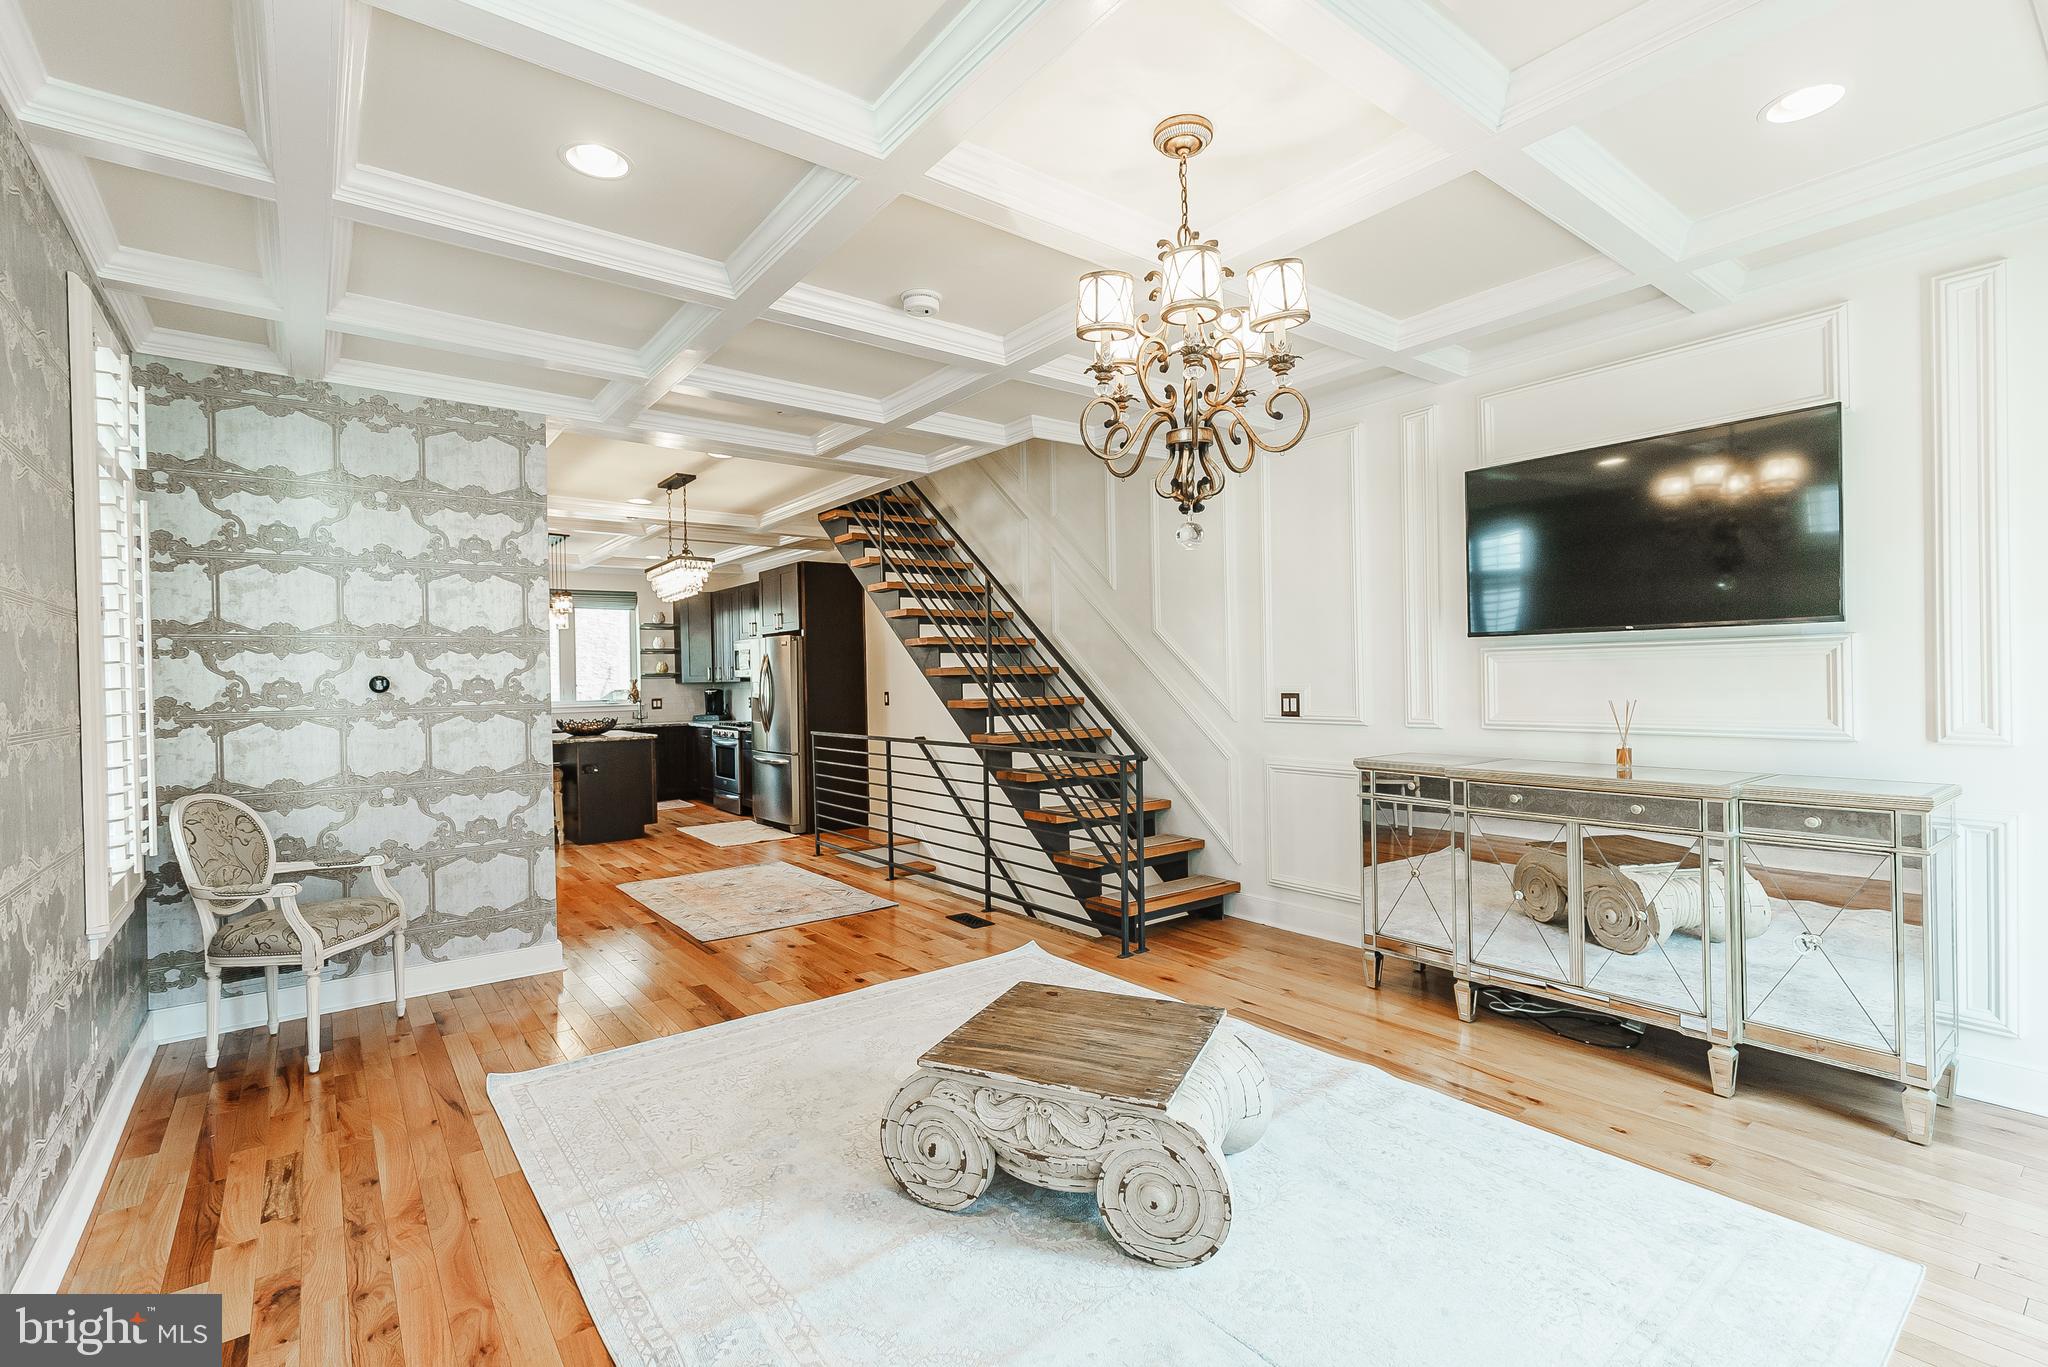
(1054, 752)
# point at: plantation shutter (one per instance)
(116, 716)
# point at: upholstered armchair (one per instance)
(251, 917)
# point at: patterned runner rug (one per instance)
(724, 833)
(744, 901)
(720, 1197)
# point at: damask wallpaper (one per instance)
(306, 538)
(66, 1020)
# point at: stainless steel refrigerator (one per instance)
(781, 733)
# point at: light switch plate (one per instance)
(1290, 704)
(654, 703)
(885, 697)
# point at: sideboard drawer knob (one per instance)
(1813, 823)
(1635, 809)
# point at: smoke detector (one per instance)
(921, 303)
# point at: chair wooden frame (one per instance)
(218, 905)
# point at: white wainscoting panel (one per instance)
(1312, 840)
(1084, 506)
(1777, 687)
(1986, 898)
(1971, 544)
(1790, 363)
(1194, 595)
(1312, 575)
(1421, 575)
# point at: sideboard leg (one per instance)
(1372, 969)
(1945, 1090)
(1468, 999)
(1919, 1103)
(1721, 1060)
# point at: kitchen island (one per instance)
(607, 785)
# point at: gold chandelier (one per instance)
(680, 574)
(1202, 414)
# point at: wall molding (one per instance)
(1105, 564)
(1550, 693)
(1360, 713)
(1297, 883)
(1987, 899)
(1421, 571)
(1971, 546)
(1222, 691)
(51, 1253)
(245, 1011)
(1824, 330)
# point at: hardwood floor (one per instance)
(373, 1213)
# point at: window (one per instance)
(117, 720)
(596, 658)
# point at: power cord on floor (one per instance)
(1586, 1027)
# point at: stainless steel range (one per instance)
(730, 751)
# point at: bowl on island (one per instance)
(587, 726)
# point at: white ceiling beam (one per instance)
(388, 320)
(312, 60)
(390, 379)
(854, 319)
(387, 199)
(1519, 301)
(197, 283)
(145, 137)
(194, 346)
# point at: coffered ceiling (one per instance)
(372, 193)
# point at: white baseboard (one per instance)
(51, 1253)
(2016, 1086)
(246, 1010)
(1333, 920)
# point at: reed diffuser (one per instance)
(1624, 722)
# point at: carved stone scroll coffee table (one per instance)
(1133, 1098)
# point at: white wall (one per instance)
(679, 701)
(1338, 570)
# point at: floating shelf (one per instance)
(657, 626)
(657, 650)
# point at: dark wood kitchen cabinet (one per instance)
(607, 786)
(735, 617)
(673, 775)
(700, 763)
(697, 659)
(781, 607)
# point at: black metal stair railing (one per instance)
(929, 809)
(927, 580)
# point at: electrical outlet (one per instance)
(1290, 704)
(654, 703)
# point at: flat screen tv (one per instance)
(1730, 525)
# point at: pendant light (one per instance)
(561, 602)
(681, 574)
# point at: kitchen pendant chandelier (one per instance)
(682, 574)
(1202, 414)
(561, 602)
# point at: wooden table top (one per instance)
(1135, 1049)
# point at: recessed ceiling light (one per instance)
(718, 455)
(642, 501)
(596, 160)
(1802, 103)
(1609, 462)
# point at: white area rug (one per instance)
(720, 1198)
(745, 901)
(724, 833)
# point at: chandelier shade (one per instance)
(1107, 307)
(680, 574)
(1191, 283)
(1279, 293)
(561, 602)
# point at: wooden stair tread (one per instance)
(1154, 848)
(970, 642)
(950, 614)
(1061, 733)
(1172, 894)
(874, 515)
(898, 586)
(1016, 704)
(873, 560)
(1076, 813)
(905, 539)
(1064, 773)
(997, 671)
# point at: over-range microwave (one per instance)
(744, 654)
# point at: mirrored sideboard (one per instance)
(1814, 916)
